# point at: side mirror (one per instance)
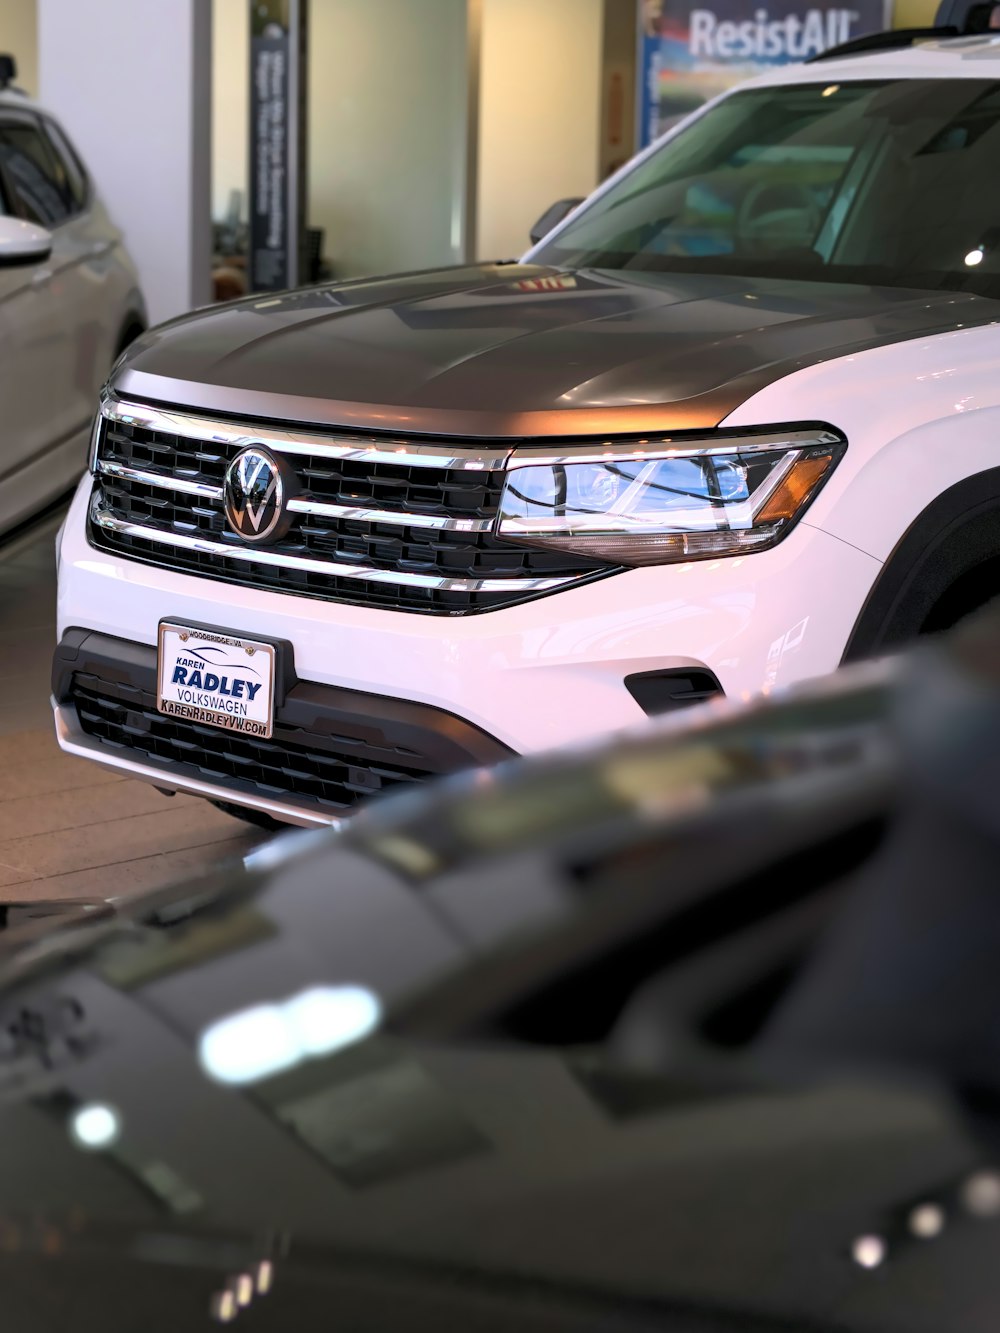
(551, 218)
(22, 242)
(8, 70)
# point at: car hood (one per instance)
(437, 1172)
(515, 350)
(408, 1169)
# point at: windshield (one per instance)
(885, 183)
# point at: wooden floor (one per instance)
(68, 827)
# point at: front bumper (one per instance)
(543, 673)
(330, 747)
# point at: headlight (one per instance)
(650, 502)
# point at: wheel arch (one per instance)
(956, 534)
(132, 326)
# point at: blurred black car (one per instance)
(694, 1031)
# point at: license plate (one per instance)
(211, 677)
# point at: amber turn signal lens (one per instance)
(796, 487)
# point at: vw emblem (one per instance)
(256, 492)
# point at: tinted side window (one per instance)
(36, 181)
(70, 165)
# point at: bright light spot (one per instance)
(926, 1221)
(224, 1307)
(974, 257)
(265, 1276)
(248, 1046)
(268, 1038)
(328, 1017)
(95, 1125)
(244, 1289)
(868, 1251)
(833, 88)
(279, 850)
(981, 1194)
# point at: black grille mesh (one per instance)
(293, 764)
(441, 492)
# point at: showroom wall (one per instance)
(387, 128)
(19, 38)
(142, 126)
(230, 100)
(403, 172)
(540, 92)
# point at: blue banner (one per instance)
(691, 52)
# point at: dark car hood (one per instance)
(458, 1172)
(441, 1175)
(514, 350)
(402, 1171)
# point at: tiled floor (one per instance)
(67, 827)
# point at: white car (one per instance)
(735, 420)
(69, 304)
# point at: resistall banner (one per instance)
(690, 52)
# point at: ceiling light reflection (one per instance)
(95, 1126)
(224, 1307)
(328, 1017)
(869, 1251)
(255, 1043)
(248, 1046)
(926, 1221)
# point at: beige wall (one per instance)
(914, 13)
(19, 38)
(387, 118)
(539, 114)
(230, 101)
(617, 138)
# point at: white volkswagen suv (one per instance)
(69, 304)
(735, 420)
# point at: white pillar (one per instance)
(131, 81)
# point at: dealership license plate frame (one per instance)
(271, 653)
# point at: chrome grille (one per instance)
(377, 522)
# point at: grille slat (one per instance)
(165, 481)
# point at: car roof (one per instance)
(975, 57)
(17, 101)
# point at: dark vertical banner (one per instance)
(277, 142)
(692, 50)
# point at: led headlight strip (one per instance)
(655, 501)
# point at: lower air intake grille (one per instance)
(291, 764)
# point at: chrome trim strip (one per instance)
(297, 505)
(330, 568)
(320, 510)
(364, 449)
(95, 432)
(640, 450)
(199, 488)
(73, 740)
